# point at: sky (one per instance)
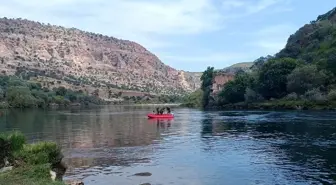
(185, 34)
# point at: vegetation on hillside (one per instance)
(304, 71)
(194, 99)
(158, 99)
(18, 93)
(302, 75)
(32, 162)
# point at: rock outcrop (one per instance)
(227, 74)
(82, 59)
(220, 80)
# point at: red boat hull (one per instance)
(160, 116)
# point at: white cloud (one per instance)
(242, 8)
(273, 38)
(158, 17)
(233, 4)
(262, 5)
(156, 24)
(217, 59)
(139, 20)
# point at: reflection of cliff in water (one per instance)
(90, 136)
(294, 140)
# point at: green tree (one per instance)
(20, 97)
(15, 81)
(61, 91)
(59, 100)
(72, 97)
(305, 78)
(234, 91)
(206, 79)
(194, 99)
(2, 94)
(273, 77)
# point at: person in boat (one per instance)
(168, 110)
(162, 110)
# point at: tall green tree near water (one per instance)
(234, 91)
(273, 77)
(206, 79)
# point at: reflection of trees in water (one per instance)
(213, 127)
(88, 129)
(311, 145)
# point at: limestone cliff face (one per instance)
(220, 80)
(80, 59)
(227, 74)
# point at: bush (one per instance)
(252, 96)
(194, 99)
(314, 95)
(40, 153)
(291, 97)
(58, 100)
(2, 93)
(10, 143)
(4, 105)
(17, 140)
(332, 95)
(305, 78)
(20, 97)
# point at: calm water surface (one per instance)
(108, 145)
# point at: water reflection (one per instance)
(303, 150)
(108, 144)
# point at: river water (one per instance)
(109, 145)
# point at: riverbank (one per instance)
(282, 105)
(274, 105)
(29, 164)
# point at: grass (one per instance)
(32, 175)
(32, 162)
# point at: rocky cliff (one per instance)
(227, 74)
(57, 55)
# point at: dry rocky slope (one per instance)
(70, 57)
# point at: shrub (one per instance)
(58, 100)
(2, 93)
(291, 97)
(332, 95)
(4, 105)
(315, 95)
(17, 140)
(40, 153)
(10, 143)
(304, 78)
(20, 97)
(251, 96)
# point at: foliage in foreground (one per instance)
(28, 175)
(32, 162)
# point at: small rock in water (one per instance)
(146, 184)
(144, 174)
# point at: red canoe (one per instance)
(160, 115)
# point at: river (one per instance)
(108, 145)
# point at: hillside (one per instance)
(300, 76)
(54, 56)
(314, 42)
(242, 66)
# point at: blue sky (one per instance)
(185, 34)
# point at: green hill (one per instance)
(301, 75)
